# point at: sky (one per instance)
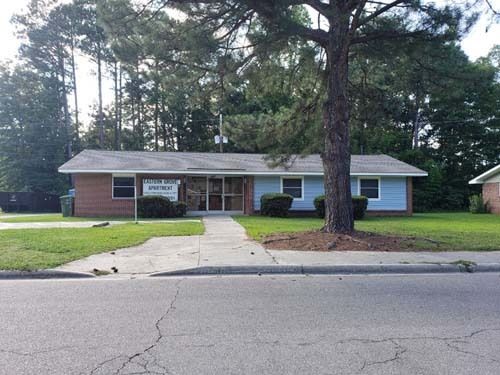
(476, 44)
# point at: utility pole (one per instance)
(221, 139)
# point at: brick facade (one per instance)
(248, 190)
(94, 195)
(409, 195)
(491, 194)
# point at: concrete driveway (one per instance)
(225, 243)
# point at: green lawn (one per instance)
(455, 231)
(29, 249)
(51, 218)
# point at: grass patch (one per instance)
(453, 231)
(30, 249)
(465, 263)
(52, 218)
(259, 226)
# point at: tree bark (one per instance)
(99, 82)
(67, 120)
(115, 84)
(75, 96)
(164, 125)
(157, 110)
(416, 123)
(120, 107)
(336, 156)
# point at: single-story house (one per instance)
(105, 181)
(491, 188)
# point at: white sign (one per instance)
(160, 186)
(218, 139)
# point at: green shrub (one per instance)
(158, 207)
(359, 205)
(275, 204)
(180, 208)
(319, 205)
(477, 205)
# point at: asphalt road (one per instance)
(441, 324)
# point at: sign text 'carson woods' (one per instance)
(159, 186)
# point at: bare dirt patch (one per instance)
(357, 241)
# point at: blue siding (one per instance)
(392, 192)
(264, 185)
(392, 195)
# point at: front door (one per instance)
(215, 193)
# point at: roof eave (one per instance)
(251, 173)
(482, 177)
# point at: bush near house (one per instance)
(159, 207)
(359, 204)
(275, 204)
(477, 205)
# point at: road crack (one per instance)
(452, 342)
(144, 359)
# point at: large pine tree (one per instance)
(341, 25)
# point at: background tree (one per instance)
(412, 94)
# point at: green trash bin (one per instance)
(66, 205)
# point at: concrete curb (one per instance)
(354, 269)
(44, 274)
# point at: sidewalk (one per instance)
(79, 224)
(225, 243)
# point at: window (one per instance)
(123, 187)
(370, 188)
(233, 193)
(293, 186)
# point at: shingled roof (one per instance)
(92, 161)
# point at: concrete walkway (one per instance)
(12, 216)
(78, 224)
(225, 243)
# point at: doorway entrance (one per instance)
(215, 194)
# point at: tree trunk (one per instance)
(120, 107)
(75, 96)
(157, 110)
(157, 129)
(336, 156)
(416, 124)
(164, 124)
(99, 81)
(134, 128)
(115, 84)
(67, 120)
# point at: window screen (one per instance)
(293, 186)
(123, 187)
(369, 188)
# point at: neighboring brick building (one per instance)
(491, 188)
(106, 182)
